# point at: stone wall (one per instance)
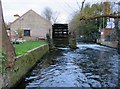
(0, 35)
(112, 44)
(7, 48)
(4, 39)
(25, 62)
(1, 80)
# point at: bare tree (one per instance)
(50, 15)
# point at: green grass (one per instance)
(22, 48)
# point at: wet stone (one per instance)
(85, 85)
(94, 83)
(94, 76)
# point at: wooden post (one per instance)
(118, 30)
(7, 48)
(119, 45)
(72, 40)
(118, 33)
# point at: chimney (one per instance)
(16, 16)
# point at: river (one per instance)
(90, 65)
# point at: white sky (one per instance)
(65, 8)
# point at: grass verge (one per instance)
(22, 48)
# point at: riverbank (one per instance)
(24, 63)
(22, 48)
(89, 66)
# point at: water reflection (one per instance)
(90, 65)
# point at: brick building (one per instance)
(31, 25)
(108, 37)
(108, 34)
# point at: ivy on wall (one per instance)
(3, 59)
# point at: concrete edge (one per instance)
(24, 63)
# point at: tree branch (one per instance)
(101, 16)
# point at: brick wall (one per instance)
(106, 32)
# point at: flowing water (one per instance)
(90, 65)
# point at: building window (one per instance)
(26, 32)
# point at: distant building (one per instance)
(108, 37)
(30, 26)
(108, 34)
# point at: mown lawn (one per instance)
(22, 48)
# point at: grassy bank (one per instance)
(24, 47)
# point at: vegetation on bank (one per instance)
(22, 48)
(3, 59)
(90, 28)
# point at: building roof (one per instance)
(28, 12)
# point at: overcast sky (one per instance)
(65, 8)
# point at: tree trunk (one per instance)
(119, 45)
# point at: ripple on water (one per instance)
(91, 65)
(94, 83)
